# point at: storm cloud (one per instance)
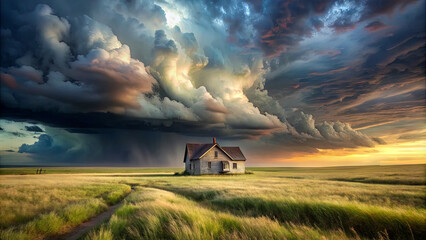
(33, 129)
(44, 145)
(233, 69)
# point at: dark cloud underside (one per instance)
(293, 73)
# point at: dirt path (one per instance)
(85, 227)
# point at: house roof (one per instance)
(198, 150)
(235, 153)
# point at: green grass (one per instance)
(37, 209)
(101, 234)
(368, 221)
(394, 174)
(160, 214)
(82, 170)
(382, 180)
(55, 222)
(354, 208)
(21, 204)
(371, 202)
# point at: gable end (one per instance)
(216, 145)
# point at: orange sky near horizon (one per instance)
(413, 152)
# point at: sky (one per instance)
(293, 83)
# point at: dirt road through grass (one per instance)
(82, 229)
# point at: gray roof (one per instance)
(197, 150)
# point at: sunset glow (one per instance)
(391, 154)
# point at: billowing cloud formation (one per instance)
(44, 145)
(277, 26)
(101, 71)
(211, 72)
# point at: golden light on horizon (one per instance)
(390, 154)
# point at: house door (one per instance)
(225, 166)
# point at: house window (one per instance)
(190, 166)
(209, 164)
(215, 154)
(234, 166)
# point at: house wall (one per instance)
(216, 163)
(241, 166)
(187, 162)
(196, 167)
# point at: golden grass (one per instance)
(158, 214)
(275, 188)
(392, 174)
(293, 203)
(372, 210)
(38, 206)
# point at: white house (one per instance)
(211, 158)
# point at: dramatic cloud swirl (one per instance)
(220, 68)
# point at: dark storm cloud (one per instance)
(121, 65)
(162, 44)
(272, 26)
(17, 134)
(343, 24)
(109, 147)
(276, 26)
(383, 79)
(351, 13)
(44, 145)
(317, 23)
(100, 78)
(33, 129)
(375, 8)
(286, 23)
(375, 26)
(96, 123)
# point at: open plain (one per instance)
(368, 202)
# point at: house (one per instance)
(211, 158)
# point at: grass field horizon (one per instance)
(350, 202)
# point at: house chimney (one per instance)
(214, 140)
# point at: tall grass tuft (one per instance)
(368, 221)
(61, 219)
(163, 215)
(101, 234)
(116, 196)
(46, 224)
(78, 213)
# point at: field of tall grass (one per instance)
(272, 203)
(391, 174)
(35, 207)
(157, 214)
(83, 170)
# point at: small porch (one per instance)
(225, 167)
